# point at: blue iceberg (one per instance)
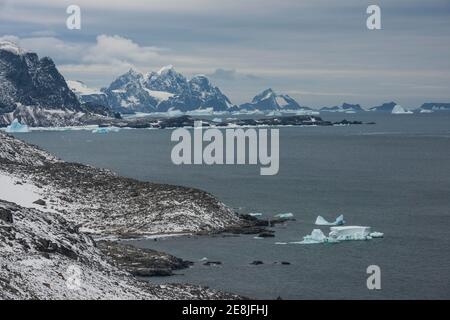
(17, 127)
(338, 234)
(105, 130)
(320, 221)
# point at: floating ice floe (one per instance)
(320, 221)
(338, 234)
(284, 215)
(349, 233)
(17, 127)
(376, 234)
(105, 130)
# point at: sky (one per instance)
(318, 51)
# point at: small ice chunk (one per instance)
(217, 120)
(17, 127)
(105, 130)
(284, 215)
(255, 214)
(316, 236)
(349, 233)
(320, 221)
(377, 234)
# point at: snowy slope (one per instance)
(106, 204)
(42, 256)
(46, 251)
(270, 100)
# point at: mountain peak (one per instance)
(166, 69)
(270, 100)
(11, 46)
(133, 72)
(266, 94)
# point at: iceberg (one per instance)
(284, 215)
(316, 236)
(338, 234)
(349, 233)
(17, 127)
(398, 109)
(320, 221)
(105, 130)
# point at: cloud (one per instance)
(231, 75)
(117, 49)
(224, 74)
(320, 48)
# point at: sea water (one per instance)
(393, 176)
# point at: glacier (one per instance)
(17, 127)
(320, 221)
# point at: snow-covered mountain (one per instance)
(166, 80)
(430, 107)
(128, 94)
(385, 107)
(33, 91)
(86, 94)
(270, 100)
(345, 107)
(156, 92)
(199, 94)
(27, 80)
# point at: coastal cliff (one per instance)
(53, 215)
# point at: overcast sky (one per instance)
(320, 52)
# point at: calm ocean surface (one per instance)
(393, 176)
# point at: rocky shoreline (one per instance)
(65, 209)
(151, 122)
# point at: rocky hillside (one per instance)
(105, 204)
(33, 91)
(50, 209)
(42, 256)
